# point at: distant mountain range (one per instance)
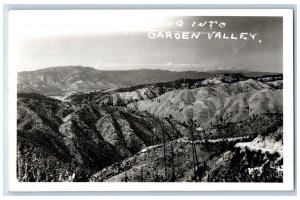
(59, 81)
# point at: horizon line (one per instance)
(206, 71)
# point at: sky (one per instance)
(110, 40)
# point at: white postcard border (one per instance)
(288, 129)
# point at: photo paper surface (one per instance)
(151, 100)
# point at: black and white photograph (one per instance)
(153, 96)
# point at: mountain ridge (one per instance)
(59, 81)
(151, 69)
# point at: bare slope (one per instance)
(208, 104)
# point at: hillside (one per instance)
(185, 160)
(82, 139)
(206, 129)
(211, 103)
(259, 160)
